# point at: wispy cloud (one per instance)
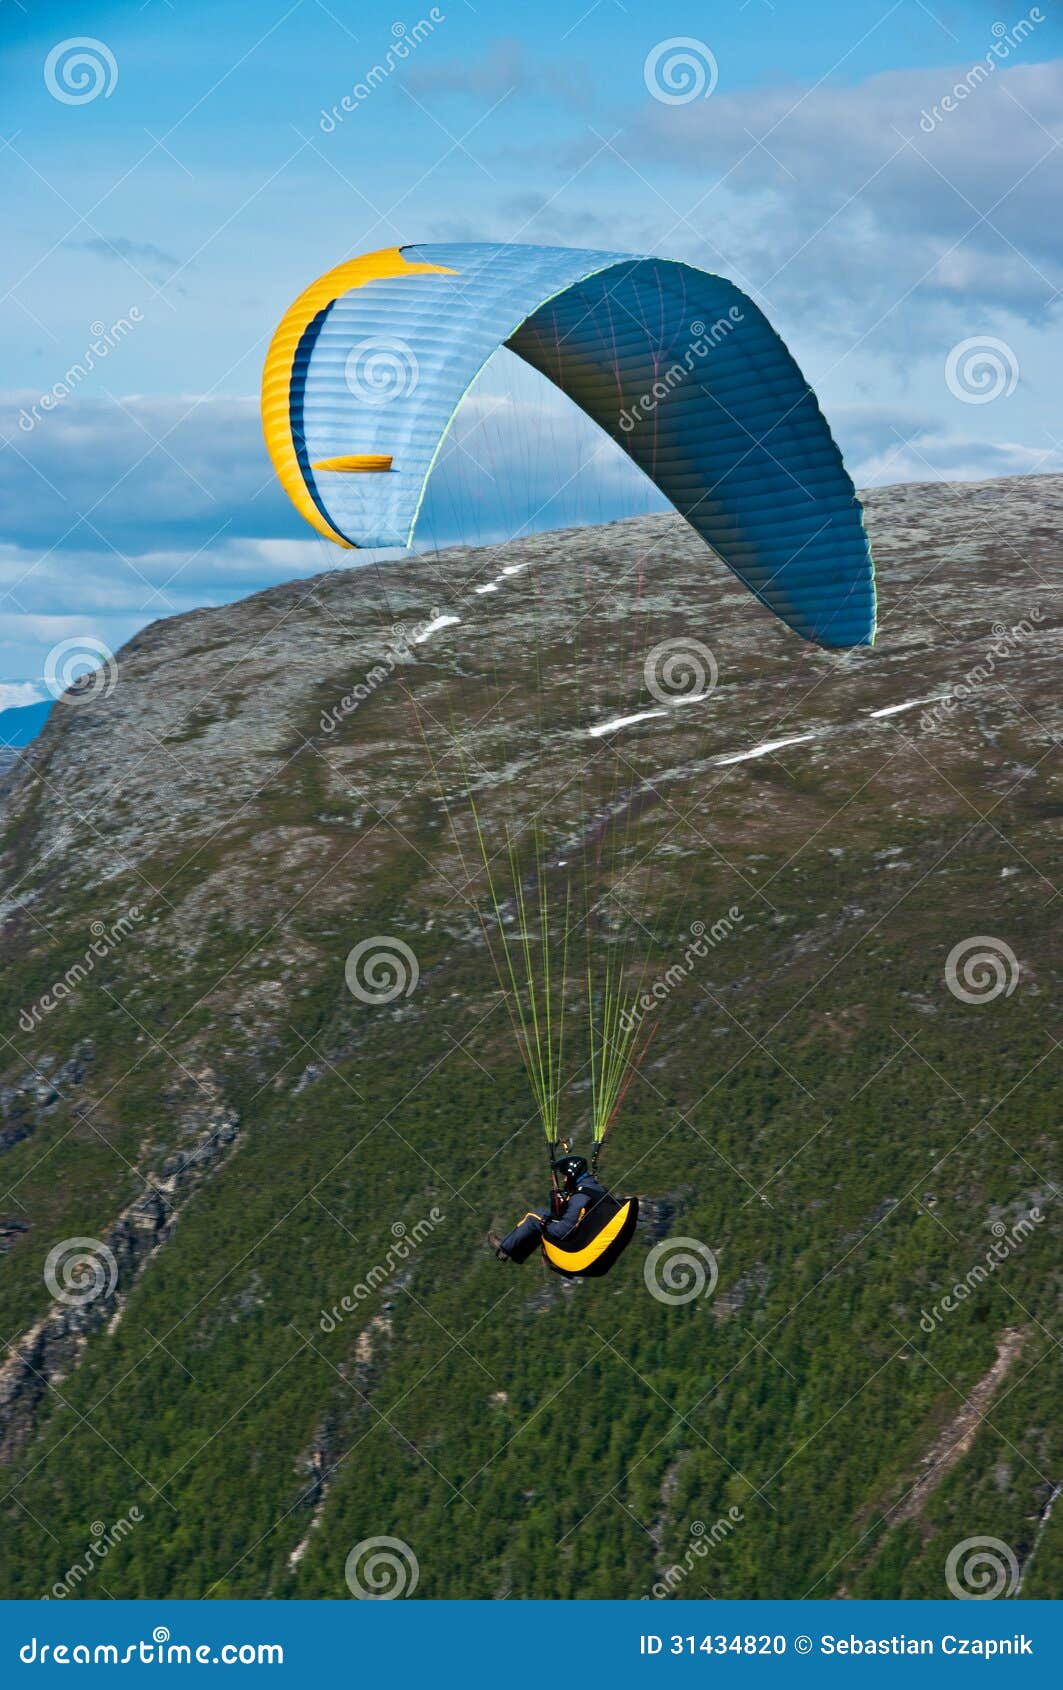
(507, 67)
(151, 260)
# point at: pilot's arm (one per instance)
(569, 1218)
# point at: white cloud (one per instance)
(884, 444)
(836, 199)
(15, 694)
(137, 475)
(938, 457)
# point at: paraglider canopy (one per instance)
(678, 366)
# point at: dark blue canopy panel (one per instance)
(678, 366)
(686, 374)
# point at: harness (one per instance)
(602, 1233)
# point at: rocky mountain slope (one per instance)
(260, 1101)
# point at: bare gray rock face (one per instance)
(217, 712)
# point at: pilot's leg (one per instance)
(524, 1240)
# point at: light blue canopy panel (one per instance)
(386, 366)
(678, 366)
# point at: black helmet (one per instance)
(570, 1170)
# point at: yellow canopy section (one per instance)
(277, 375)
(362, 463)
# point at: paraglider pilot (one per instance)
(579, 1191)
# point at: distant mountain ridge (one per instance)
(22, 723)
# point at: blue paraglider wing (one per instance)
(678, 366)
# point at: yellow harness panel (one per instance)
(574, 1261)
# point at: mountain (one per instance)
(252, 1318)
(23, 723)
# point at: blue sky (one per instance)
(184, 208)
